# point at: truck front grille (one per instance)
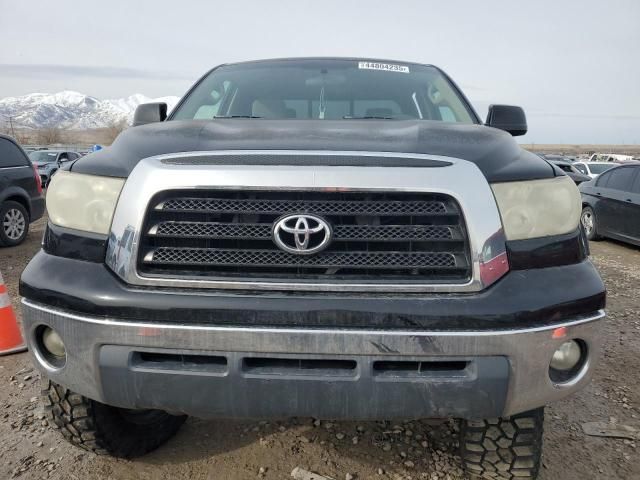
(376, 236)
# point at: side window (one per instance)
(10, 155)
(620, 179)
(582, 169)
(635, 188)
(603, 179)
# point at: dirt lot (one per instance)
(247, 450)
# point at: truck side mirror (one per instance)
(508, 118)
(149, 113)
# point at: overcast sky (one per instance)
(573, 65)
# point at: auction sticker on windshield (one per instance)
(389, 67)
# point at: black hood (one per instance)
(495, 152)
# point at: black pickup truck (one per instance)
(330, 238)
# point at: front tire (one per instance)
(503, 448)
(14, 224)
(107, 430)
(588, 220)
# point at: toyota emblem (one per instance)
(301, 234)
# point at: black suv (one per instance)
(329, 238)
(21, 199)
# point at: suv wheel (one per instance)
(104, 429)
(14, 224)
(503, 448)
(588, 220)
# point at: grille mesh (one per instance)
(315, 206)
(213, 230)
(198, 256)
(376, 236)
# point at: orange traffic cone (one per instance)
(10, 337)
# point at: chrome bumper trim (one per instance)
(528, 350)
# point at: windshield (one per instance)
(43, 157)
(326, 90)
(598, 168)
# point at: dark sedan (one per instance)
(611, 204)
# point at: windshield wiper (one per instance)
(236, 116)
(368, 117)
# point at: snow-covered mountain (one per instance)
(72, 110)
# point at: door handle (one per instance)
(599, 194)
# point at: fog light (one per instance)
(567, 356)
(53, 343)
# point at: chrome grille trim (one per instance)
(457, 178)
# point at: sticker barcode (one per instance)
(389, 67)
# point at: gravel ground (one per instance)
(343, 450)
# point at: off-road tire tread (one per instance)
(503, 448)
(96, 427)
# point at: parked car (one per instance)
(567, 167)
(555, 157)
(21, 200)
(611, 205)
(328, 238)
(593, 169)
(49, 161)
(610, 157)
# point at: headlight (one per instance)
(83, 202)
(538, 208)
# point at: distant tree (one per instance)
(50, 135)
(22, 137)
(115, 129)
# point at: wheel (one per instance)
(14, 224)
(503, 448)
(104, 429)
(588, 219)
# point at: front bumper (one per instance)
(225, 371)
(212, 353)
